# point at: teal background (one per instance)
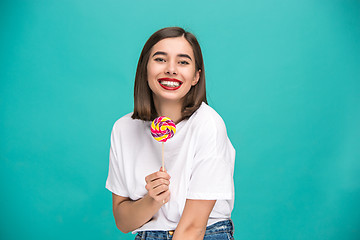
(284, 75)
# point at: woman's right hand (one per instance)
(157, 185)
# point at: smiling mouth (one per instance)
(170, 83)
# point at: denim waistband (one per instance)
(226, 226)
(222, 226)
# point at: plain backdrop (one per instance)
(284, 75)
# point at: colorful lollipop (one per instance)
(162, 129)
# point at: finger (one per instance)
(160, 181)
(159, 190)
(157, 175)
(164, 171)
(165, 197)
(157, 195)
(157, 183)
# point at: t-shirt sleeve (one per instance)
(115, 181)
(212, 171)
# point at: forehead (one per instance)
(178, 45)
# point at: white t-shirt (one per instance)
(199, 158)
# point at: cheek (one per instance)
(190, 75)
(154, 67)
(149, 70)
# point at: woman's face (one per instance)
(171, 69)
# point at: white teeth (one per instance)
(170, 83)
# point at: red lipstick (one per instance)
(170, 83)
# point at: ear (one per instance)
(196, 78)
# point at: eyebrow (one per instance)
(179, 55)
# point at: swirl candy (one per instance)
(162, 129)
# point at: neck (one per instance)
(170, 109)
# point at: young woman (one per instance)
(192, 198)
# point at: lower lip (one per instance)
(170, 88)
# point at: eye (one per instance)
(159, 59)
(184, 62)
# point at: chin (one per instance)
(170, 97)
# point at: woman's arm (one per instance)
(130, 215)
(194, 219)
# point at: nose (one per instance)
(171, 68)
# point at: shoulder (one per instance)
(126, 124)
(211, 134)
(124, 120)
(206, 116)
(208, 125)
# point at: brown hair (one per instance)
(144, 107)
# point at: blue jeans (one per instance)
(223, 230)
